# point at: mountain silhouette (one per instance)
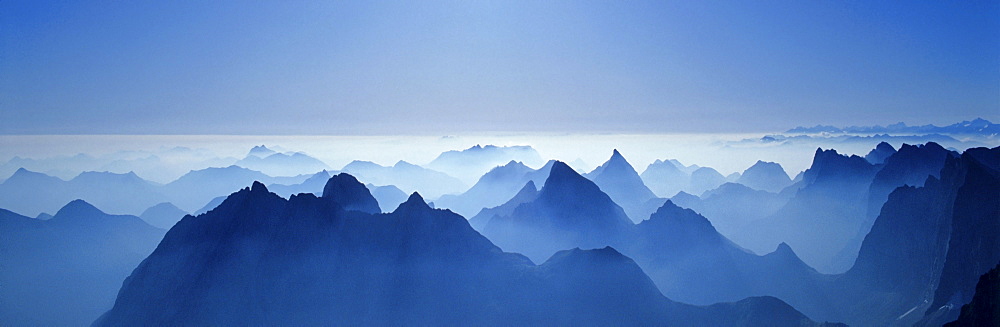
(825, 212)
(350, 194)
(260, 151)
(527, 194)
(272, 163)
(911, 165)
(569, 211)
(973, 247)
(928, 246)
(407, 177)
(68, 269)
(731, 206)
(976, 126)
(765, 176)
(622, 183)
(415, 266)
(389, 196)
(704, 179)
(881, 152)
(664, 178)
(469, 164)
(679, 249)
(215, 202)
(984, 310)
(194, 189)
(314, 184)
(667, 178)
(163, 215)
(32, 193)
(494, 188)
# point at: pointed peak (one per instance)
(616, 154)
(415, 201)
(677, 217)
(560, 169)
(416, 198)
(25, 172)
(784, 248)
(530, 185)
(258, 187)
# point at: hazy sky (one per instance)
(436, 67)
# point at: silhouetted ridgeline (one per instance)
(416, 265)
(66, 271)
(896, 238)
(901, 272)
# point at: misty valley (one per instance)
(904, 233)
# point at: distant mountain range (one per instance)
(469, 164)
(65, 271)
(906, 235)
(667, 178)
(265, 160)
(976, 126)
(622, 183)
(494, 188)
(407, 177)
(680, 250)
(416, 265)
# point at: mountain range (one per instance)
(918, 264)
(976, 126)
(407, 177)
(470, 164)
(667, 178)
(904, 236)
(494, 188)
(622, 183)
(416, 265)
(265, 160)
(65, 271)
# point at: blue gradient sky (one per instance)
(366, 67)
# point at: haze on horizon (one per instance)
(381, 68)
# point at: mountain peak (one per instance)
(258, 187)
(260, 151)
(616, 155)
(880, 153)
(415, 201)
(681, 219)
(622, 183)
(764, 175)
(31, 175)
(561, 170)
(77, 208)
(783, 248)
(528, 187)
(347, 191)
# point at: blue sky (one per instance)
(372, 67)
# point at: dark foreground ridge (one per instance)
(259, 259)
